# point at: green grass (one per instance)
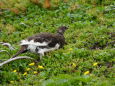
(89, 40)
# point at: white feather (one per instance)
(50, 49)
(32, 48)
(31, 42)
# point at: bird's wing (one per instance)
(26, 42)
(37, 41)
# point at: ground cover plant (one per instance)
(86, 60)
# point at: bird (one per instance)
(42, 43)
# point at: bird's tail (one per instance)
(22, 50)
(61, 30)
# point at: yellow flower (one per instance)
(28, 69)
(40, 67)
(73, 65)
(25, 73)
(14, 70)
(11, 82)
(95, 64)
(70, 49)
(35, 72)
(31, 64)
(86, 73)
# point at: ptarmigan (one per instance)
(43, 42)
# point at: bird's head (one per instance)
(62, 29)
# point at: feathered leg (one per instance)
(22, 50)
(41, 55)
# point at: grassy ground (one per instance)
(87, 59)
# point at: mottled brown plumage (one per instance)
(43, 42)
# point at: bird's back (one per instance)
(43, 41)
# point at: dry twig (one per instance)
(8, 45)
(5, 51)
(16, 58)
